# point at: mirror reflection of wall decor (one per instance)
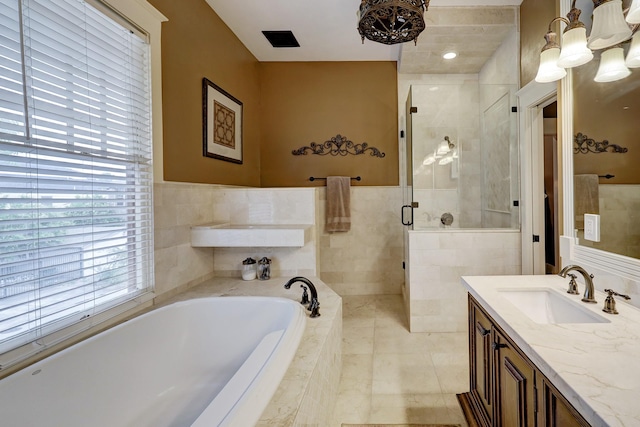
(583, 144)
(221, 123)
(337, 146)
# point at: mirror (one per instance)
(606, 154)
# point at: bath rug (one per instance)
(400, 425)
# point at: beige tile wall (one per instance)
(619, 220)
(438, 259)
(367, 260)
(267, 206)
(176, 208)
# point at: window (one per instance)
(76, 230)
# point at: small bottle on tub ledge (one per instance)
(249, 269)
(264, 268)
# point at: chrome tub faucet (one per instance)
(589, 292)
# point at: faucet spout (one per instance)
(314, 305)
(589, 291)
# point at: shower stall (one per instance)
(461, 192)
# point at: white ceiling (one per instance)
(327, 31)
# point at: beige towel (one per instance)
(338, 204)
(585, 197)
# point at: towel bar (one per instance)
(357, 178)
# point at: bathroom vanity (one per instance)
(539, 356)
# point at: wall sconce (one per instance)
(633, 16)
(610, 28)
(633, 57)
(612, 66)
(609, 25)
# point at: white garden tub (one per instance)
(201, 362)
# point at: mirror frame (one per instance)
(570, 250)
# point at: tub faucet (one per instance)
(314, 306)
(588, 281)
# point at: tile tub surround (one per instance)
(593, 365)
(436, 301)
(308, 391)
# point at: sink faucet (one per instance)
(588, 281)
(314, 306)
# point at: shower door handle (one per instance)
(410, 221)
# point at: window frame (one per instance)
(141, 15)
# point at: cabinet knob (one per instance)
(497, 345)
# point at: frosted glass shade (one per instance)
(633, 57)
(548, 71)
(443, 148)
(633, 16)
(574, 48)
(612, 66)
(609, 26)
(445, 160)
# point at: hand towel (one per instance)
(585, 197)
(338, 204)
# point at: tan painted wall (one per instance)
(196, 44)
(607, 111)
(535, 16)
(305, 102)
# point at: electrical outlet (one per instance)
(592, 227)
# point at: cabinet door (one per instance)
(516, 389)
(480, 355)
(557, 411)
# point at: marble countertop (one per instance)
(596, 366)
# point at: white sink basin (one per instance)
(546, 306)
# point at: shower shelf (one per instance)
(228, 235)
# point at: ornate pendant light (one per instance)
(391, 21)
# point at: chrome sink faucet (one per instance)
(588, 282)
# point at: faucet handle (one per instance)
(610, 303)
(573, 286)
(305, 295)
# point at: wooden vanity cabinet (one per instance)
(557, 411)
(507, 390)
(516, 387)
(481, 354)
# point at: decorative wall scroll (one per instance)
(583, 144)
(338, 146)
(221, 123)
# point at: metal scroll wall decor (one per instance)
(583, 144)
(338, 146)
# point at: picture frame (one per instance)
(221, 123)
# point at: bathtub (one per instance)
(200, 362)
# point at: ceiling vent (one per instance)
(281, 38)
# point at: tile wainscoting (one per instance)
(434, 297)
(367, 260)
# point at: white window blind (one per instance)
(76, 232)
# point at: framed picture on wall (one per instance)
(222, 123)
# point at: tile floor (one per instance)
(392, 376)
